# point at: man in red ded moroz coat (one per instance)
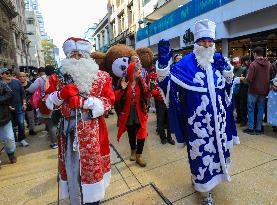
(83, 94)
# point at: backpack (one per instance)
(36, 97)
(42, 104)
(38, 101)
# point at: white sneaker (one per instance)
(24, 143)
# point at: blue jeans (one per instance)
(7, 137)
(252, 100)
(18, 117)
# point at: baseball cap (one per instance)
(3, 70)
(236, 60)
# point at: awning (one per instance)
(166, 8)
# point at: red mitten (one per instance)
(68, 91)
(75, 102)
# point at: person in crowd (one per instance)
(135, 59)
(83, 94)
(6, 129)
(241, 111)
(177, 58)
(30, 115)
(198, 92)
(271, 105)
(245, 60)
(161, 111)
(18, 106)
(133, 96)
(259, 75)
(45, 117)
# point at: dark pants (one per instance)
(135, 143)
(162, 120)
(18, 117)
(243, 104)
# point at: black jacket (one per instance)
(5, 99)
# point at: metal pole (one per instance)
(148, 35)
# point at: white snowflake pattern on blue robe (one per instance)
(201, 116)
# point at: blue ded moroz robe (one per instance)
(201, 116)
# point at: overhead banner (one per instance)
(188, 11)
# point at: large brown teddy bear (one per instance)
(99, 58)
(116, 60)
(146, 58)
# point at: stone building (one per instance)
(20, 35)
(124, 16)
(7, 47)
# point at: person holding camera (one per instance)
(133, 112)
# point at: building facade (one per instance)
(32, 5)
(102, 35)
(35, 48)
(124, 16)
(248, 25)
(7, 47)
(89, 34)
(20, 35)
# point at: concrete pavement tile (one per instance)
(124, 170)
(115, 175)
(116, 188)
(245, 137)
(256, 186)
(157, 156)
(244, 158)
(132, 182)
(144, 196)
(264, 144)
(174, 179)
(25, 170)
(34, 192)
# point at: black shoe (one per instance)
(12, 158)
(258, 132)
(242, 124)
(249, 131)
(32, 132)
(163, 140)
(171, 141)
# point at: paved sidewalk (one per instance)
(165, 180)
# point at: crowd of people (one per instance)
(17, 110)
(250, 96)
(193, 98)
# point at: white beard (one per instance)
(204, 56)
(83, 72)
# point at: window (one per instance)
(30, 21)
(113, 29)
(121, 23)
(130, 15)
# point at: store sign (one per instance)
(188, 11)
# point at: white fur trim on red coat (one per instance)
(53, 100)
(96, 192)
(95, 105)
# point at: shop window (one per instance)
(30, 21)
